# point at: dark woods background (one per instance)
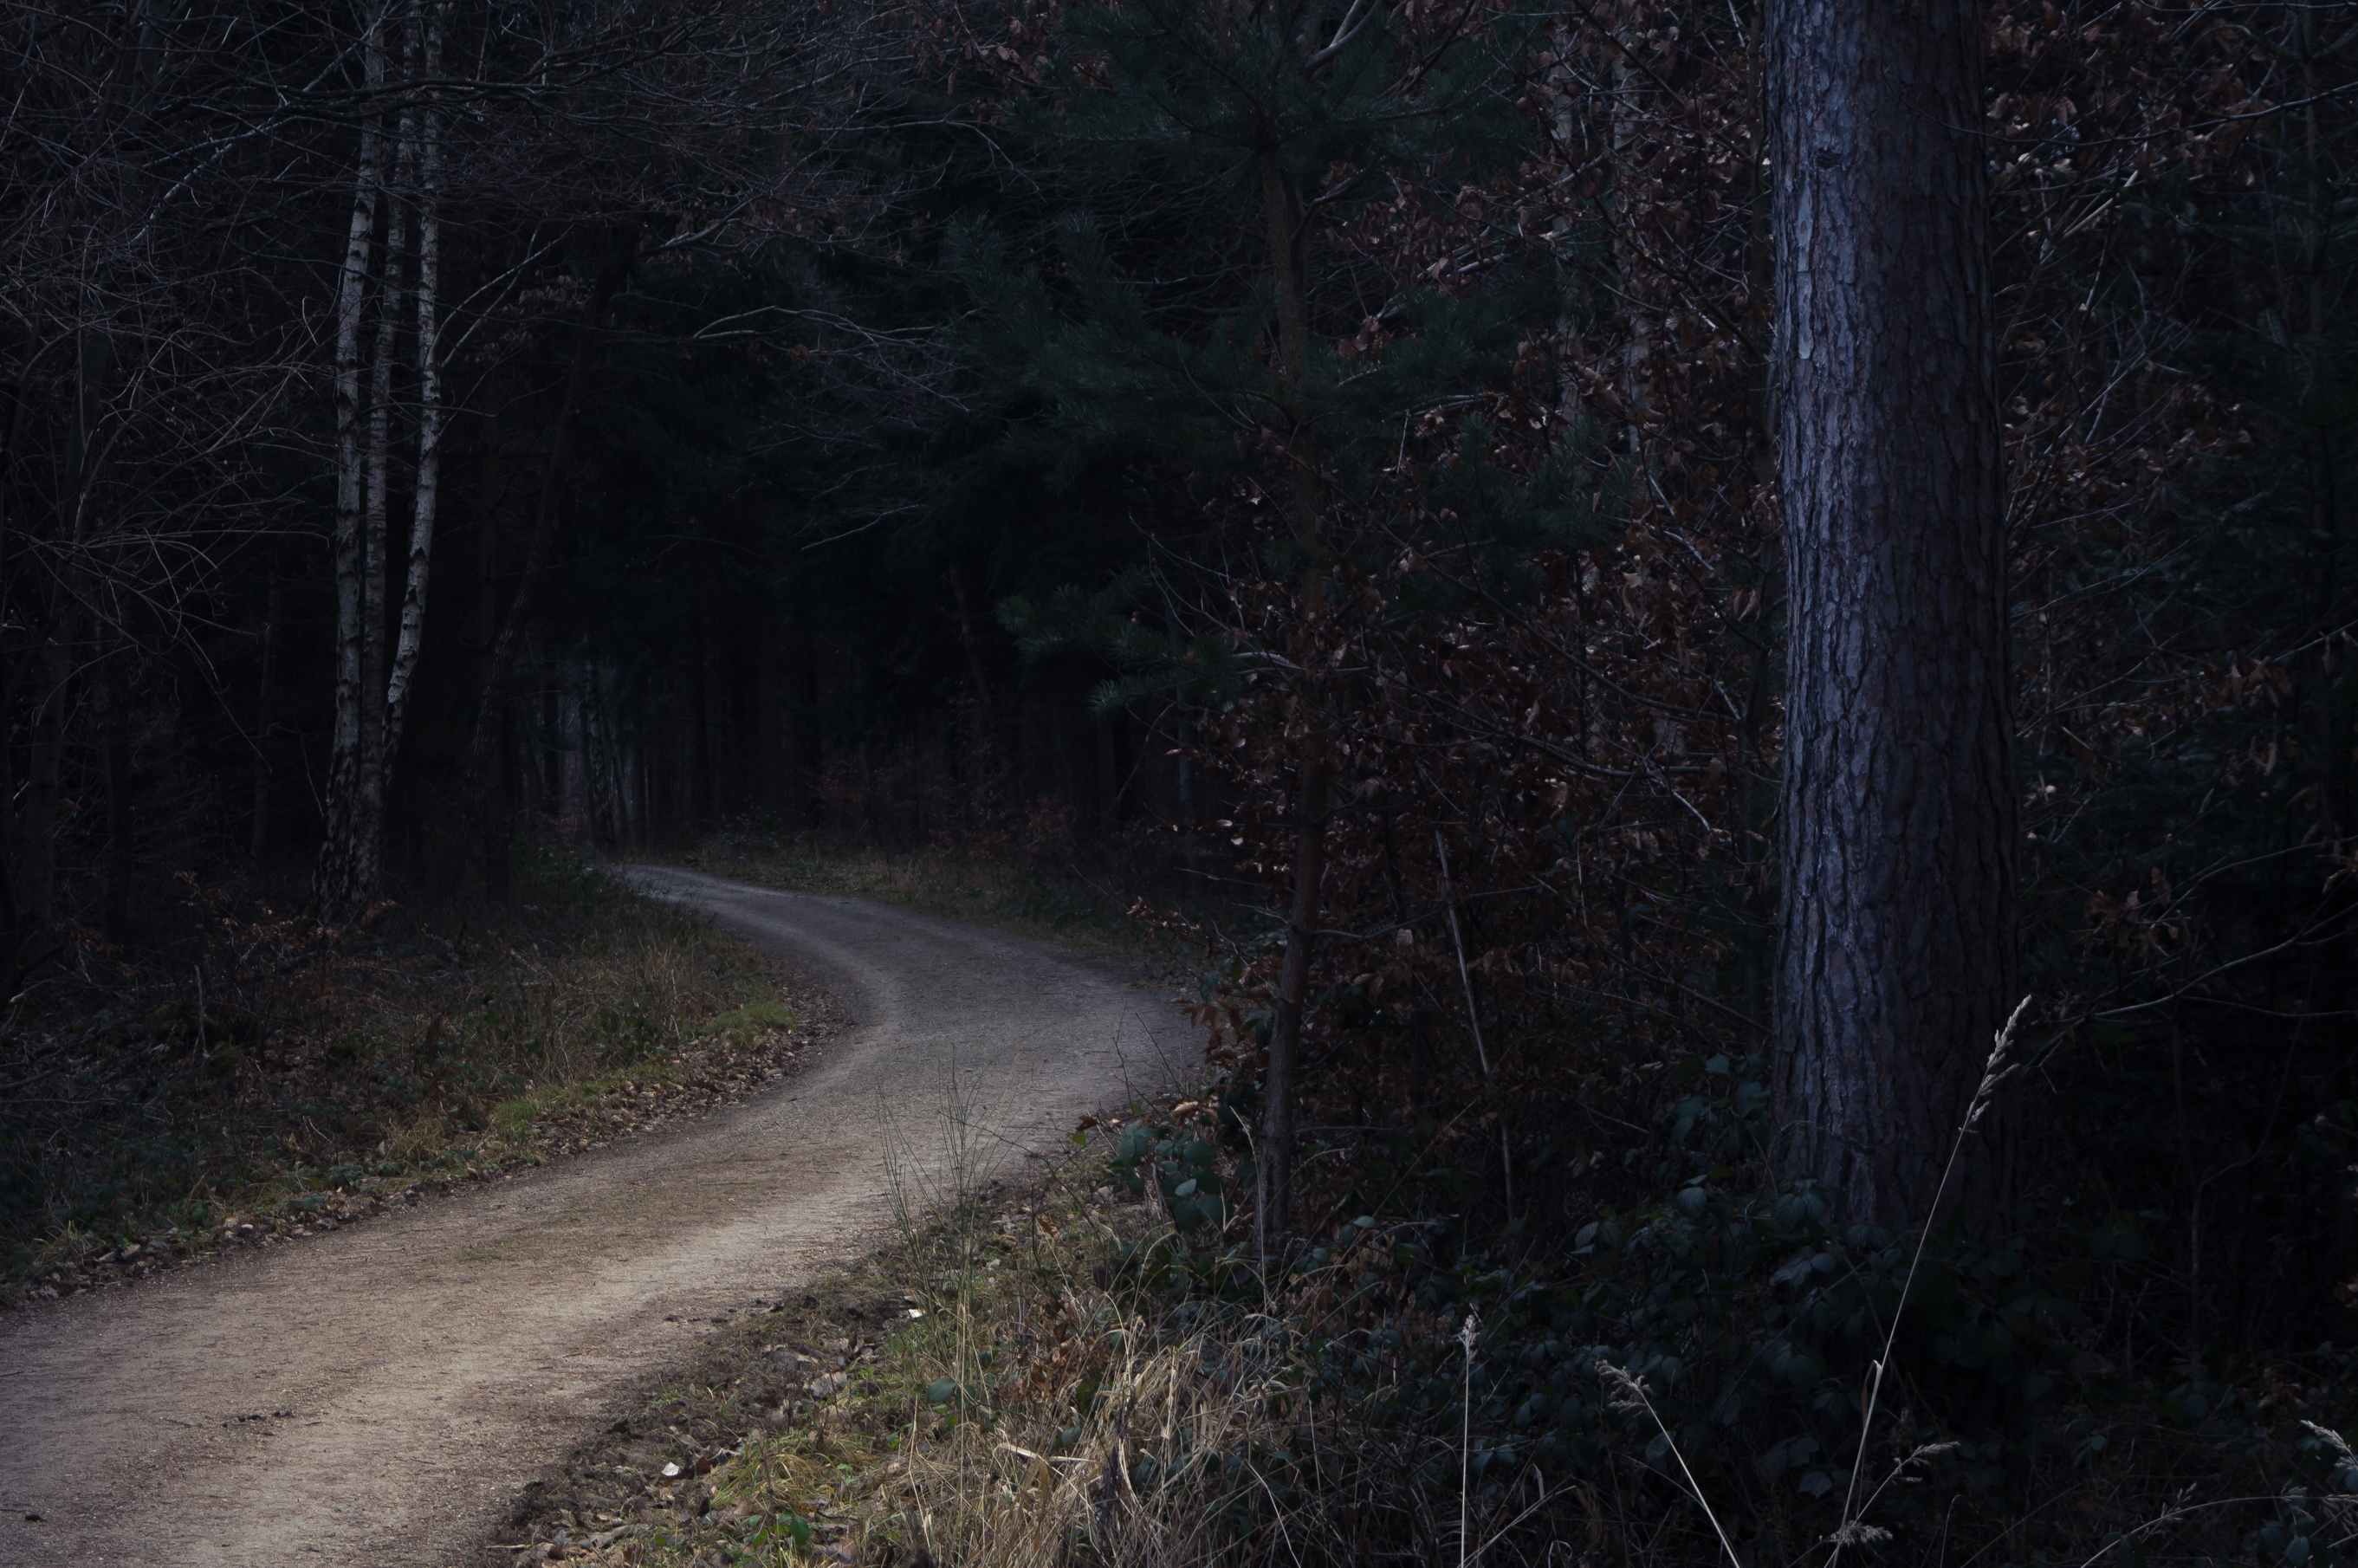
(1107, 435)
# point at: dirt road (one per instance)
(413, 1370)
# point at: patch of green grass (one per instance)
(746, 1023)
(515, 1119)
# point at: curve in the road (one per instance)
(432, 1359)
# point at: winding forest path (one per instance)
(417, 1368)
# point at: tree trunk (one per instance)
(340, 881)
(700, 684)
(43, 772)
(1109, 772)
(769, 768)
(376, 754)
(70, 619)
(1897, 961)
(807, 759)
(983, 729)
(12, 864)
(274, 605)
(122, 861)
(429, 491)
(1630, 81)
(487, 627)
(1273, 1166)
(368, 807)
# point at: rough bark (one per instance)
(1108, 776)
(11, 674)
(43, 774)
(1631, 80)
(2338, 695)
(702, 662)
(1897, 959)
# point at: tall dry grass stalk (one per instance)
(1063, 1413)
(1853, 1531)
(1629, 1393)
(1135, 1438)
(1150, 1480)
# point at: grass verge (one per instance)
(1078, 1365)
(861, 1417)
(282, 1080)
(1012, 1383)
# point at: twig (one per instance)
(1632, 1390)
(1474, 1019)
(1466, 1336)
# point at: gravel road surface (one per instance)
(411, 1371)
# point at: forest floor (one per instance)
(378, 1394)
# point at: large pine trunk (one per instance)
(1897, 961)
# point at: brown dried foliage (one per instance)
(1596, 751)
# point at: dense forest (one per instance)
(1633, 576)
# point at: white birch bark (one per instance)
(336, 882)
(429, 394)
(368, 814)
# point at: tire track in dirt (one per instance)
(414, 1369)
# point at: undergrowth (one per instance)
(273, 1071)
(1090, 1367)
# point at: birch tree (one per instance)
(346, 874)
(374, 681)
(429, 387)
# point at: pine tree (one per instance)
(1295, 115)
(1897, 821)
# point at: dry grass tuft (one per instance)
(283, 1072)
(1026, 1404)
